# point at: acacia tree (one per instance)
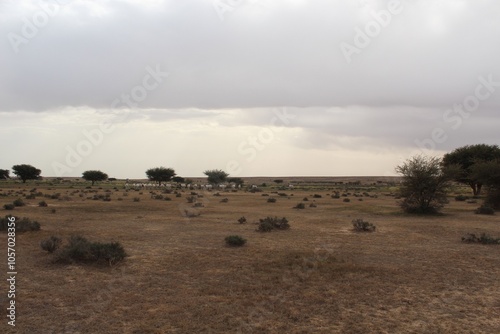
(488, 173)
(424, 185)
(4, 174)
(160, 174)
(26, 172)
(466, 157)
(94, 176)
(216, 176)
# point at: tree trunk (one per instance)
(474, 187)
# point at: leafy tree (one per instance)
(236, 180)
(4, 174)
(216, 176)
(424, 184)
(26, 172)
(488, 173)
(160, 174)
(466, 157)
(178, 179)
(94, 176)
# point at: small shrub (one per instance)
(482, 239)
(305, 199)
(235, 241)
(198, 205)
(271, 200)
(312, 205)
(9, 206)
(18, 202)
(178, 195)
(346, 200)
(242, 220)
(225, 200)
(363, 226)
(22, 225)
(30, 196)
(191, 213)
(53, 211)
(270, 223)
(137, 199)
(191, 199)
(336, 196)
(317, 196)
(79, 249)
(51, 244)
(43, 204)
(300, 206)
(461, 198)
(485, 210)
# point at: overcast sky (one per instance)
(255, 87)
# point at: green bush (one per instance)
(461, 198)
(43, 204)
(363, 226)
(485, 210)
(300, 206)
(9, 206)
(79, 249)
(22, 224)
(235, 241)
(270, 223)
(271, 200)
(242, 220)
(51, 244)
(19, 202)
(346, 200)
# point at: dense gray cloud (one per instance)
(272, 53)
(359, 77)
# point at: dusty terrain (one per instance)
(413, 275)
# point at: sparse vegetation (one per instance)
(235, 241)
(300, 206)
(485, 210)
(22, 224)
(51, 244)
(271, 223)
(80, 250)
(482, 239)
(19, 202)
(359, 225)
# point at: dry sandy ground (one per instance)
(413, 275)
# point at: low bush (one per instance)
(359, 225)
(270, 223)
(482, 239)
(235, 241)
(485, 210)
(461, 198)
(51, 244)
(242, 220)
(191, 213)
(300, 206)
(224, 200)
(136, 199)
(43, 204)
(19, 202)
(317, 196)
(312, 205)
(22, 224)
(346, 200)
(9, 206)
(79, 249)
(271, 200)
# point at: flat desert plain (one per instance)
(412, 275)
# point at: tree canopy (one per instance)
(424, 184)
(216, 176)
(488, 173)
(94, 176)
(466, 157)
(26, 172)
(4, 174)
(160, 174)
